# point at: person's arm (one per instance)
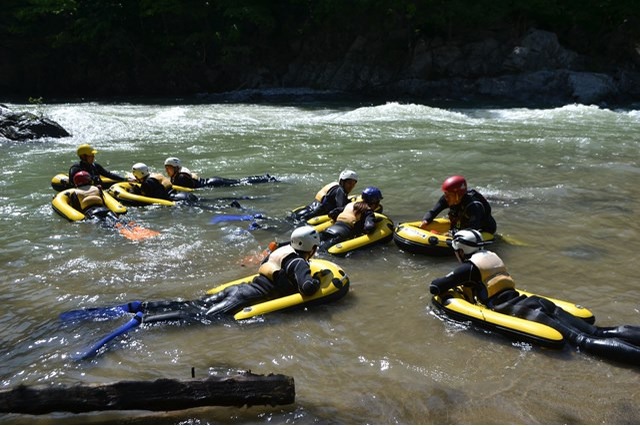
(369, 222)
(434, 212)
(465, 273)
(72, 172)
(106, 173)
(338, 198)
(74, 201)
(299, 270)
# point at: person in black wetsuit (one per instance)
(484, 278)
(467, 207)
(283, 272)
(357, 218)
(331, 199)
(153, 185)
(87, 163)
(181, 176)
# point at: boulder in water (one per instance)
(22, 126)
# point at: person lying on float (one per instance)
(483, 276)
(357, 218)
(182, 176)
(331, 199)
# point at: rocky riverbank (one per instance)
(535, 68)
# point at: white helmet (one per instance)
(468, 240)
(305, 238)
(140, 171)
(172, 161)
(348, 174)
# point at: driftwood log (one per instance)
(158, 395)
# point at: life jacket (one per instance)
(89, 196)
(349, 215)
(325, 190)
(163, 180)
(274, 262)
(493, 272)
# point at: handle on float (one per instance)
(93, 350)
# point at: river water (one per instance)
(563, 183)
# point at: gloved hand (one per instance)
(434, 289)
(333, 214)
(321, 273)
(337, 283)
(309, 287)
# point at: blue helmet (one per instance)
(371, 194)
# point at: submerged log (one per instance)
(158, 395)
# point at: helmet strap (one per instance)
(308, 255)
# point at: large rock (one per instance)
(540, 50)
(21, 126)
(591, 88)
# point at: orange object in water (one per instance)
(135, 232)
(255, 259)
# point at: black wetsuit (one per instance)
(332, 204)
(466, 274)
(186, 180)
(473, 212)
(621, 343)
(295, 276)
(95, 170)
(341, 231)
(152, 187)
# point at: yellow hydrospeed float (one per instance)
(382, 233)
(124, 192)
(432, 241)
(60, 182)
(61, 203)
(333, 286)
(456, 306)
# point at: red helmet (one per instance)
(455, 184)
(82, 178)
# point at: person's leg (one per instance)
(232, 299)
(334, 234)
(629, 333)
(586, 337)
(169, 310)
(252, 180)
(217, 182)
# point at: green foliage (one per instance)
(39, 104)
(172, 36)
